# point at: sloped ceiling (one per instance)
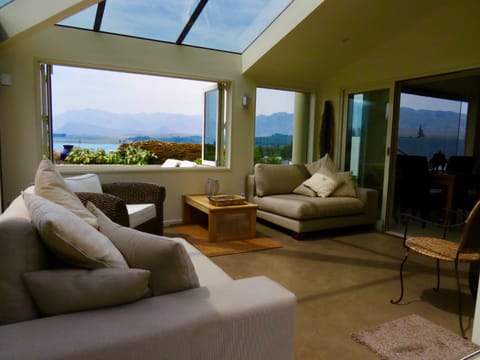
(333, 35)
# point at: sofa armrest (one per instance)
(251, 318)
(111, 205)
(369, 197)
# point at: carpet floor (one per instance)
(344, 281)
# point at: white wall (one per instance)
(20, 129)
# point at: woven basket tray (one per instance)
(226, 200)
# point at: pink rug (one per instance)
(413, 337)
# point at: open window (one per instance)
(214, 127)
(99, 113)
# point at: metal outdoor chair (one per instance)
(466, 250)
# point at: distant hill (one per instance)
(91, 122)
(97, 122)
(167, 127)
(434, 123)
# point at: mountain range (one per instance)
(95, 122)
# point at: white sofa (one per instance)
(250, 318)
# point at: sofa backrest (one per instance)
(272, 179)
(20, 251)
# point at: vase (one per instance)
(211, 187)
(66, 151)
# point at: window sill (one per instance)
(98, 169)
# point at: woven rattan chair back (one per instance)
(470, 238)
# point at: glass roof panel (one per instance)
(225, 25)
(158, 20)
(232, 25)
(84, 19)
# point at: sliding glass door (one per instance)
(366, 138)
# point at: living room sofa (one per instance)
(210, 316)
(284, 200)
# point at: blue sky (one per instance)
(77, 89)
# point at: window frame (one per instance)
(46, 119)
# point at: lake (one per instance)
(58, 146)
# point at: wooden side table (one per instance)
(235, 222)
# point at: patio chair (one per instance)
(466, 250)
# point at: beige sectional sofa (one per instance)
(284, 200)
(156, 297)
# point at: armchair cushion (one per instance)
(62, 291)
(140, 213)
(71, 238)
(169, 263)
(50, 185)
(84, 183)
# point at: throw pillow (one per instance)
(304, 190)
(68, 290)
(323, 182)
(70, 238)
(325, 161)
(347, 188)
(50, 185)
(168, 261)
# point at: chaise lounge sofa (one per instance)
(165, 300)
(285, 199)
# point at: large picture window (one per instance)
(93, 116)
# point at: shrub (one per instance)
(129, 155)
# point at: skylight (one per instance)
(225, 25)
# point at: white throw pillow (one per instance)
(50, 185)
(84, 183)
(71, 238)
(323, 182)
(347, 188)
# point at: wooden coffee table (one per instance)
(234, 222)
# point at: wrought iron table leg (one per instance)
(401, 280)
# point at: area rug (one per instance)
(198, 237)
(413, 337)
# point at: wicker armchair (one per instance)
(116, 195)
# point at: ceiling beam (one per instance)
(22, 18)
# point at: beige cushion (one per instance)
(50, 185)
(271, 179)
(323, 182)
(84, 183)
(70, 238)
(68, 290)
(20, 251)
(347, 186)
(170, 266)
(301, 207)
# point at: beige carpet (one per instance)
(198, 237)
(413, 337)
